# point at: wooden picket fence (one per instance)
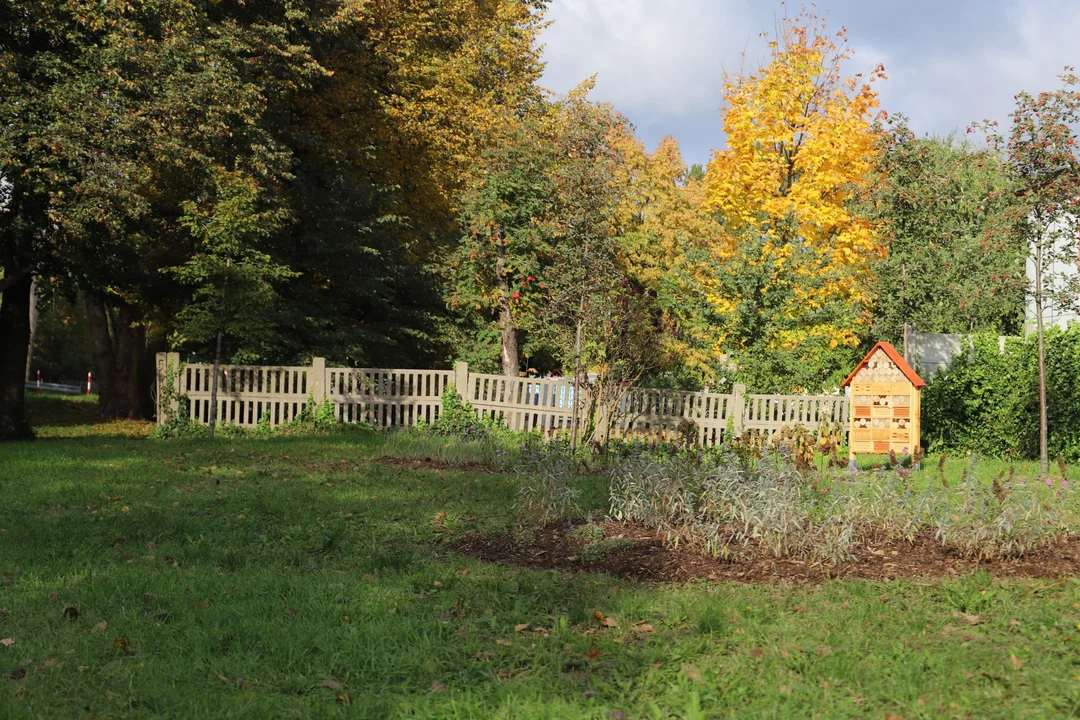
(390, 398)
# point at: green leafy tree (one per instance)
(1039, 151)
(497, 270)
(115, 116)
(952, 266)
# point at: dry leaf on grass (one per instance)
(503, 641)
(7, 642)
(1016, 662)
(969, 619)
(643, 628)
(331, 684)
(437, 687)
(100, 628)
(521, 628)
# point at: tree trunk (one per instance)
(214, 386)
(14, 342)
(118, 360)
(1044, 460)
(130, 346)
(33, 327)
(101, 350)
(508, 339)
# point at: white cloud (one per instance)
(661, 62)
(653, 59)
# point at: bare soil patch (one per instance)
(649, 560)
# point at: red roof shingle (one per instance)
(898, 360)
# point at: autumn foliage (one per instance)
(800, 146)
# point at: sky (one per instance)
(949, 62)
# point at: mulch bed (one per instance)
(649, 560)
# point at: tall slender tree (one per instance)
(1040, 151)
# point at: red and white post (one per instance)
(89, 382)
(38, 388)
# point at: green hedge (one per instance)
(988, 402)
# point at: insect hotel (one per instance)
(884, 404)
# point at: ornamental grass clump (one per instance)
(733, 507)
(1010, 518)
(728, 506)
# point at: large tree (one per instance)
(952, 267)
(800, 147)
(118, 120)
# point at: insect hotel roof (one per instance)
(885, 404)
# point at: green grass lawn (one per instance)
(297, 577)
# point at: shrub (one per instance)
(178, 423)
(459, 419)
(988, 401)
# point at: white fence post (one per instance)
(738, 408)
(165, 363)
(461, 381)
(317, 381)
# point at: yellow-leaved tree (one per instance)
(667, 233)
(791, 283)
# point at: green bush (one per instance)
(988, 401)
(178, 423)
(458, 418)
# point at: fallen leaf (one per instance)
(437, 687)
(7, 642)
(331, 684)
(462, 573)
(892, 716)
(344, 699)
(609, 622)
(784, 690)
(121, 642)
(152, 545)
(971, 620)
(202, 605)
(643, 628)
(1016, 662)
(369, 577)
(503, 641)
(438, 584)
(1015, 623)
(756, 652)
(100, 628)
(615, 715)
(483, 655)
(691, 672)
(594, 654)
(71, 613)
(521, 628)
